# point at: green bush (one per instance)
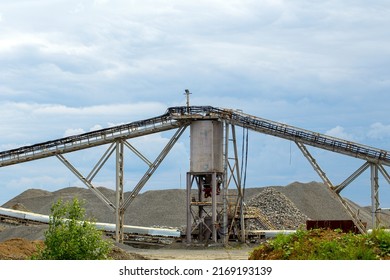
(322, 244)
(71, 237)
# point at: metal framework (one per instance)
(120, 205)
(221, 215)
(179, 118)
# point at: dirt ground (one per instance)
(18, 249)
(210, 253)
(20, 242)
(22, 249)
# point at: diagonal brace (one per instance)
(101, 162)
(323, 176)
(153, 167)
(101, 196)
(349, 180)
(384, 172)
(138, 153)
(314, 163)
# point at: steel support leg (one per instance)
(225, 224)
(119, 213)
(214, 207)
(239, 185)
(374, 196)
(189, 216)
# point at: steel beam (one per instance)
(214, 206)
(328, 183)
(225, 224)
(119, 212)
(384, 173)
(153, 167)
(354, 175)
(314, 164)
(101, 196)
(189, 215)
(138, 153)
(375, 205)
(236, 175)
(101, 162)
(89, 140)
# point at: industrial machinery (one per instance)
(214, 205)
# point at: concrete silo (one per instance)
(207, 172)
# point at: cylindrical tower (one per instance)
(206, 146)
(206, 170)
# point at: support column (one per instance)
(214, 206)
(189, 216)
(239, 187)
(374, 196)
(200, 210)
(119, 212)
(225, 224)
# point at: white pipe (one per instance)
(103, 226)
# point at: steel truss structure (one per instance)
(221, 215)
(180, 118)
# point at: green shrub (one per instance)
(381, 239)
(71, 237)
(319, 244)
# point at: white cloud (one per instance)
(96, 127)
(73, 131)
(109, 109)
(340, 132)
(379, 131)
(44, 110)
(33, 122)
(101, 2)
(74, 66)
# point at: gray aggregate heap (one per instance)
(167, 208)
(280, 211)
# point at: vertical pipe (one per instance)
(374, 196)
(119, 213)
(240, 194)
(225, 226)
(200, 210)
(189, 220)
(214, 206)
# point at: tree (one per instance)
(71, 237)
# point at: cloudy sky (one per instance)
(68, 67)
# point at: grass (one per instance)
(321, 244)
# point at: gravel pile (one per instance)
(315, 200)
(164, 208)
(286, 207)
(278, 209)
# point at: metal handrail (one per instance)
(176, 117)
(288, 132)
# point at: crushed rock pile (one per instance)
(18, 249)
(167, 208)
(23, 249)
(277, 209)
(163, 208)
